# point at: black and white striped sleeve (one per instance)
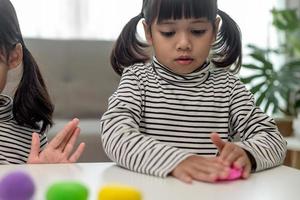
(122, 140)
(257, 131)
(3, 160)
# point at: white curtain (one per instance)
(254, 18)
(74, 19)
(102, 19)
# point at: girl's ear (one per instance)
(217, 26)
(15, 57)
(147, 33)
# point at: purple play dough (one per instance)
(16, 186)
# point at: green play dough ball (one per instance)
(67, 191)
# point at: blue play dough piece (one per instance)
(16, 186)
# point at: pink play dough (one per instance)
(233, 174)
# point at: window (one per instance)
(254, 21)
(99, 19)
(71, 19)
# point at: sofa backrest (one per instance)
(78, 75)
(80, 80)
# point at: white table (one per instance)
(279, 183)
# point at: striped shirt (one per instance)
(15, 140)
(157, 118)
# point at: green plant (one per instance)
(276, 87)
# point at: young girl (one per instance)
(31, 110)
(171, 115)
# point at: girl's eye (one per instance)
(198, 32)
(168, 33)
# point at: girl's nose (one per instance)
(184, 43)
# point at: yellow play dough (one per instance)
(119, 192)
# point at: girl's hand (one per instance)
(59, 149)
(232, 155)
(200, 168)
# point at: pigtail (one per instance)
(32, 104)
(128, 50)
(228, 46)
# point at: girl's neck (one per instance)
(192, 79)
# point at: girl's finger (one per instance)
(209, 171)
(76, 155)
(225, 153)
(246, 171)
(232, 156)
(35, 147)
(210, 167)
(70, 144)
(196, 174)
(240, 162)
(60, 140)
(215, 138)
(185, 177)
(203, 176)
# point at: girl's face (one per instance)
(181, 45)
(14, 60)
(3, 72)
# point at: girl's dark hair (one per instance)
(32, 106)
(226, 51)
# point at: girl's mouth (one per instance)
(184, 60)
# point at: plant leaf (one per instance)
(261, 58)
(256, 88)
(261, 98)
(251, 66)
(286, 19)
(250, 78)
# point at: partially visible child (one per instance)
(31, 109)
(183, 113)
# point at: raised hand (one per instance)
(232, 155)
(59, 149)
(200, 168)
